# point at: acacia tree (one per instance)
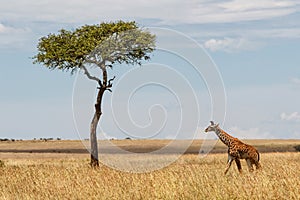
(102, 46)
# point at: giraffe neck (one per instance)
(224, 137)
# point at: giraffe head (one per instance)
(212, 127)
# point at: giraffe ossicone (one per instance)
(236, 149)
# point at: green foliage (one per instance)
(105, 43)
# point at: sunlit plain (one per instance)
(68, 176)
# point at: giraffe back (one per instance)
(243, 151)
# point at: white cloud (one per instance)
(11, 30)
(241, 5)
(251, 34)
(45, 16)
(174, 11)
(6, 29)
(295, 81)
(2, 28)
(288, 33)
(230, 44)
(235, 39)
(13, 37)
(295, 116)
(255, 109)
(251, 133)
(239, 10)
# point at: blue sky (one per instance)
(255, 46)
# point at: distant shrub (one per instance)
(297, 147)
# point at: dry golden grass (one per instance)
(68, 176)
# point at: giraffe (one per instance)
(236, 149)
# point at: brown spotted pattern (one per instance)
(236, 149)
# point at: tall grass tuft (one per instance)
(2, 164)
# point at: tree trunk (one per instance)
(95, 121)
(93, 133)
(94, 144)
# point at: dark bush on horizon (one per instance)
(297, 147)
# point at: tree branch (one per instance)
(109, 84)
(93, 61)
(86, 72)
(110, 81)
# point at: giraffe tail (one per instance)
(257, 156)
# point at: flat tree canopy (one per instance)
(121, 42)
(100, 45)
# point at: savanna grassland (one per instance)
(67, 175)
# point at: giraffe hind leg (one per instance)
(256, 161)
(249, 163)
(257, 165)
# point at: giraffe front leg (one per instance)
(238, 164)
(250, 166)
(230, 159)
